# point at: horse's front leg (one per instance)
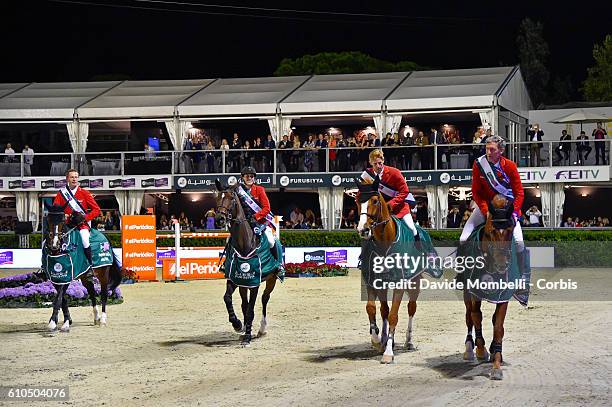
(388, 355)
(227, 298)
(57, 303)
(87, 281)
(249, 313)
(66, 311)
(384, 314)
(469, 339)
(498, 337)
(103, 278)
(371, 310)
(413, 294)
(476, 313)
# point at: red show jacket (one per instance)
(92, 210)
(259, 194)
(393, 178)
(482, 193)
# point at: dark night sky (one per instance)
(54, 41)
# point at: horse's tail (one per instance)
(115, 276)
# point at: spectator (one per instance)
(28, 160)
(353, 153)
(294, 163)
(569, 223)
(269, 144)
(209, 155)
(10, 154)
(599, 134)
(565, 148)
(349, 221)
(534, 215)
(582, 146)
(297, 218)
(282, 159)
(466, 216)
(109, 221)
(247, 155)
(309, 155)
(258, 155)
(341, 153)
(453, 220)
(408, 152)
(422, 141)
(149, 152)
(310, 222)
(235, 157)
(443, 153)
(183, 221)
(535, 134)
(210, 219)
(331, 143)
(321, 145)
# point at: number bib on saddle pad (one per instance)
(72, 263)
(409, 266)
(250, 271)
(504, 274)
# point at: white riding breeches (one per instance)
(408, 221)
(477, 218)
(270, 236)
(84, 237)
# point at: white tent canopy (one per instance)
(449, 89)
(342, 93)
(6, 88)
(141, 99)
(240, 96)
(50, 101)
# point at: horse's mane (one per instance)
(56, 213)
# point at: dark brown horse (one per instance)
(496, 246)
(109, 276)
(376, 223)
(244, 241)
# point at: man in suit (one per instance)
(582, 146)
(453, 220)
(269, 144)
(535, 134)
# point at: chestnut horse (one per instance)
(109, 276)
(496, 246)
(376, 223)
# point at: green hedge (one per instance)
(348, 238)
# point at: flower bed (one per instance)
(312, 269)
(31, 293)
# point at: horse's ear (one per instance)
(218, 185)
(47, 206)
(375, 184)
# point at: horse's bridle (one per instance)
(227, 212)
(376, 223)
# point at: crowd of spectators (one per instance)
(576, 222)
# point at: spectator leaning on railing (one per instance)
(28, 160)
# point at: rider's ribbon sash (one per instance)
(72, 201)
(386, 190)
(254, 205)
(500, 184)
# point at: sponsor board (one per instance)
(139, 245)
(6, 257)
(545, 175)
(192, 268)
(161, 182)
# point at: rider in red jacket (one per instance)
(258, 193)
(81, 203)
(482, 192)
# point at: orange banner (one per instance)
(139, 246)
(192, 269)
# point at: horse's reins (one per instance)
(375, 224)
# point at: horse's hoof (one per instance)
(245, 344)
(261, 333)
(496, 374)
(103, 320)
(237, 325)
(482, 355)
(96, 321)
(469, 355)
(378, 346)
(410, 347)
(52, 326)
(387, 359)
(65, 327)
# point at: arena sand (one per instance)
(171, 345)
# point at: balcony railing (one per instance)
(333, 160)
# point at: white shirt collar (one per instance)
(74, 190)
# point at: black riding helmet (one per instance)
(248, 170)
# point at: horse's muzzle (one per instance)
(365, 233)
(220, 221)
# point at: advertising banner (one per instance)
(139, 246)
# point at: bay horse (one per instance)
(244, 241)
(496, 246)
(109, 276)
(375, 223)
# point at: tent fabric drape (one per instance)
(487, 119)
(379, 125)
(129, 202)
(387, 124)
(78, 133)
(177, 130)
(545, 200)
(279, 126)
(559, 199)
(324, 200)
(28, 207)
(338, 201)
(443, 202)
(431, 203)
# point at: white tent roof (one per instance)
(6, 88)
(132, 99)
(54, 101)
(342, 93)
(240, 96)
(449, 89)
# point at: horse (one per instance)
(244, 241)
(496, 246)
(109, 276)
(376, 224)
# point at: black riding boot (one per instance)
(88, 255)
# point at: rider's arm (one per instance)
(402, 189)
(477, 191)
(265, 206)
(517, 187)
(60, 201)
(91, 204)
